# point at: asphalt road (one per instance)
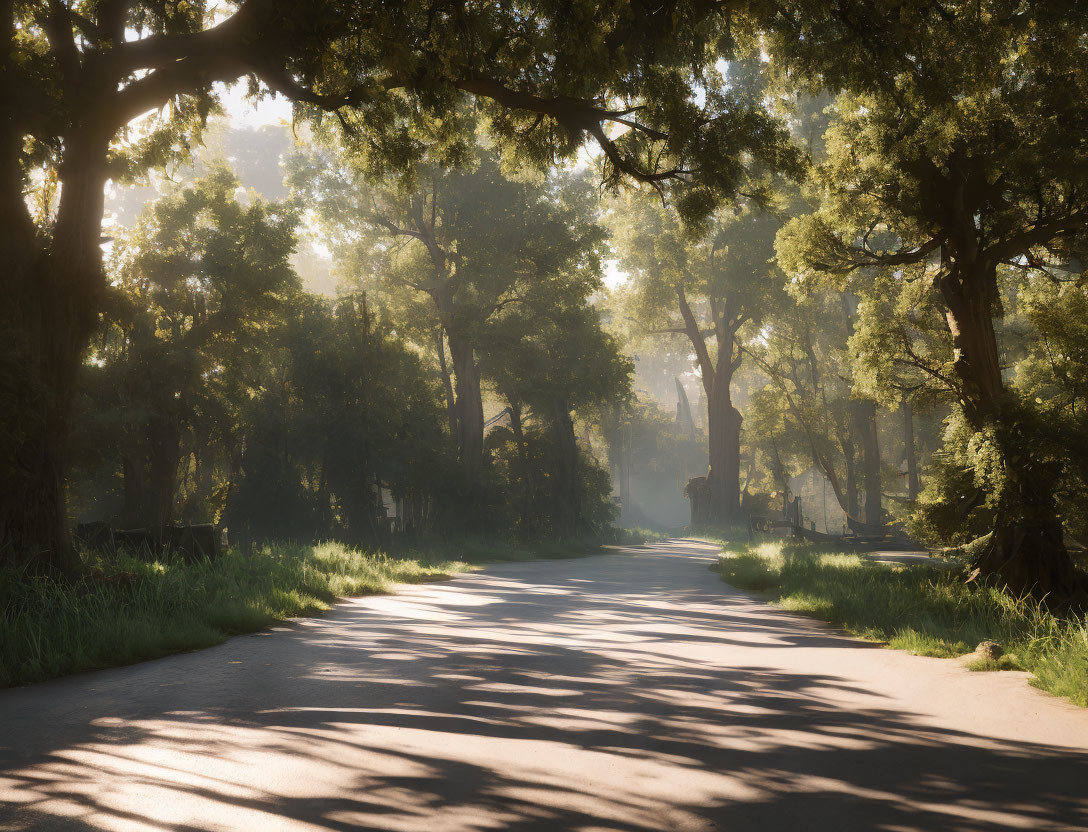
(630, 691)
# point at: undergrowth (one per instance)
(919, 608)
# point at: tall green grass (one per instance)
(919, 608)
(124, 609)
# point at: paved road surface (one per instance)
(622, 692)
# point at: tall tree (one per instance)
(708, 288)
(863, 414)
(901, 357)
(550, 358)
(203, 277)
(956, 152)
(802, 349)
(198, 287)
(470, 243)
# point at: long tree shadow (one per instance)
(589, 702)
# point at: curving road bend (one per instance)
(630, 691)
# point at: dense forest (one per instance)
(528, 270)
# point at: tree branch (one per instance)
(57, 25)
(852, 262)
(577, 115)
(218, 54)
(1038, 235)
(691, 329)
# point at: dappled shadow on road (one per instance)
(523, 700)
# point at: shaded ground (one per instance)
(619, 692)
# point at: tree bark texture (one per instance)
(1026, 552)
(54, 286)
(468, 403)
(721, 506)
(723, 477)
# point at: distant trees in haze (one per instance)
(456, 255)
(710, 289)
(219, 391)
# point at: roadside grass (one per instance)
(124, 609)
(922, 609)
(986, 665)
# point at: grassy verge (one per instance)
(918, 608)
(126, 610)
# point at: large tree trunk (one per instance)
(865, 424)
(54, 290)
(468, 402)
(715, 499)
(1025, 552)
(723, 477)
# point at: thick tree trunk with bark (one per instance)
(723, 477)
(721, 508)
(468, 403)
(53, 291)
(1025, 552)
